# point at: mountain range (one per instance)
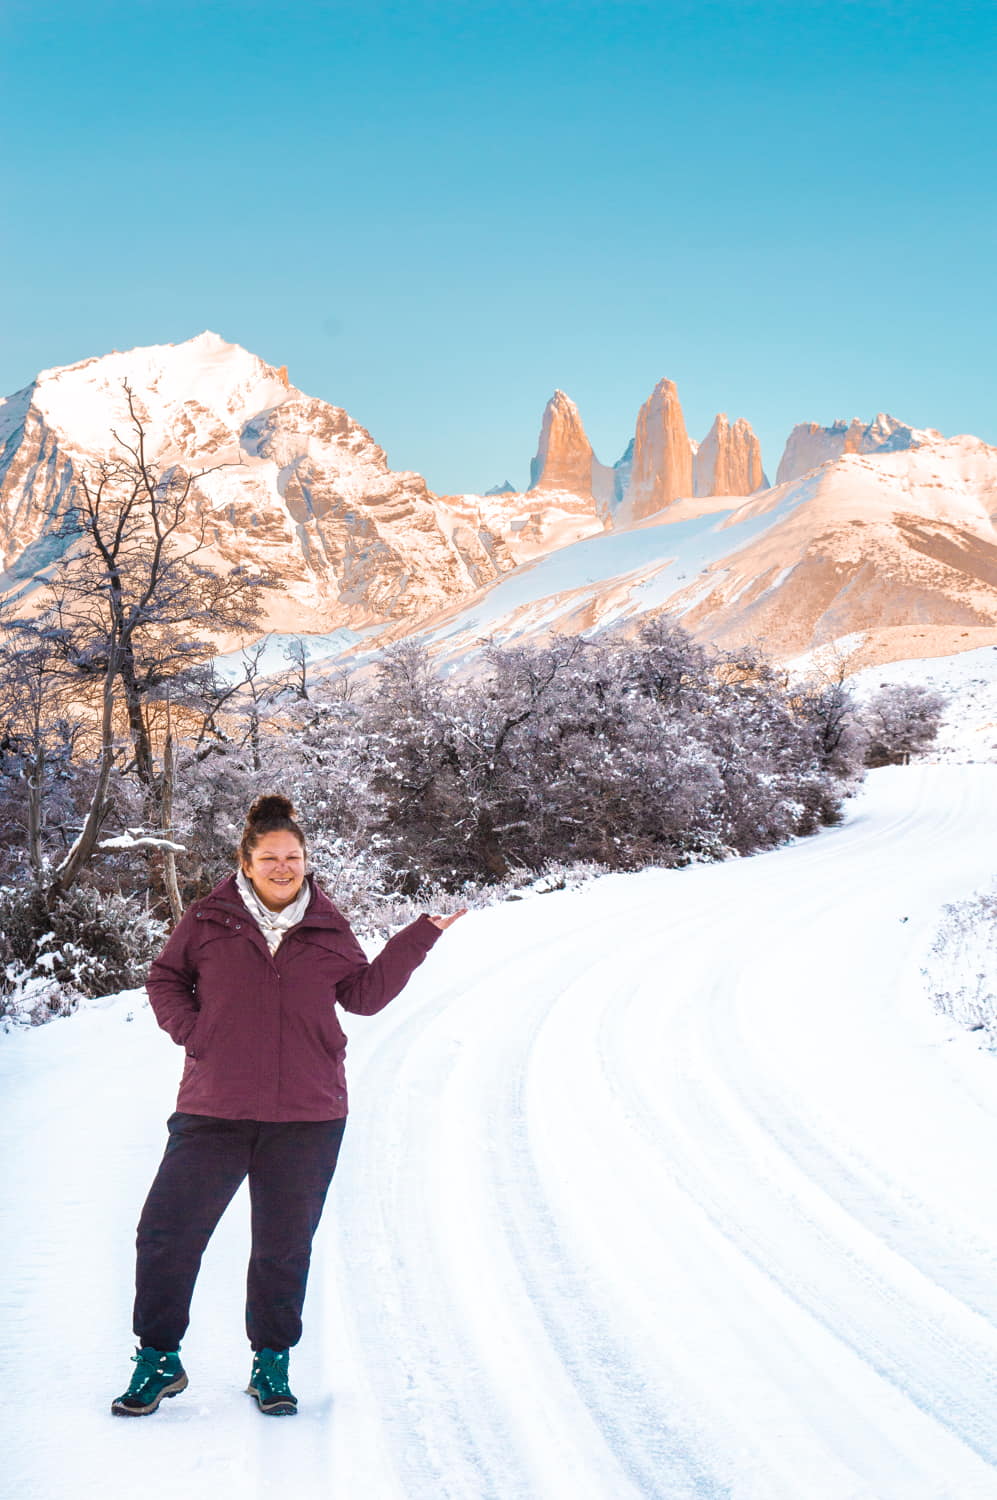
(879, 535)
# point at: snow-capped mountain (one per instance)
(894, 553)
(295, 483)
(878, 533)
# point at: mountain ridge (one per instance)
(887, 519)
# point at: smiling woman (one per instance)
(276, 869)
(271, 875)
(248, 986)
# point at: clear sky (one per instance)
(436, 213)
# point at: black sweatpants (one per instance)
(289, 1167)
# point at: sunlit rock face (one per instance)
(661, 462)
(871, 556)
(809, 445)
(36, 484)
(564, 459)
(729, 460)
(294, 483)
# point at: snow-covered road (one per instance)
(672, 1186)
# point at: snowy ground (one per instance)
(670, 1187)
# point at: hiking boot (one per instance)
(157, 1374)
(268, 1383)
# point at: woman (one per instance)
(247, 985)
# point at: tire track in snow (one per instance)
(777, 1217)
(507, 1349)
(565, 1281)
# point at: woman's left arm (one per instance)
(375, 983)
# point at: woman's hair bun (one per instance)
(265, 809)
(270, 814)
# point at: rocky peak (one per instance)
(729, 460)
(661, 464)
(809, 445)
(564, 458)
(292, 483)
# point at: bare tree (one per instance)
(134, 606)
(39, 728)
(296, 655)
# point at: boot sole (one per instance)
(278, 1408)
(178, 1385)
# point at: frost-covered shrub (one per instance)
(830, 708)
(901, 719)
(212, 796)
(620, 752)
(31, 999)
(376, 914)
(961, 967)
(88, 943)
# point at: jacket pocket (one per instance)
(194, 1046)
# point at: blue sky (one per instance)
(435, 214)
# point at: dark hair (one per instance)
(271, 814)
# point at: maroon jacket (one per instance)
(261, 1034)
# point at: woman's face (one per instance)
(276, 866)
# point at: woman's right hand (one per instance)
(444, 922)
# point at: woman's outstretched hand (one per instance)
(444, 922)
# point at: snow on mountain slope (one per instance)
(669, 1187)
(529, 523)
(894, 544)
(594, 582)
(296, 484)
(890, 539)
(192, 395)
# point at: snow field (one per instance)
(673, 1186)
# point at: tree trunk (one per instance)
(82, 849)
(145, 766)
(35, 782)
(169, 858)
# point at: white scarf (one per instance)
(273, 924)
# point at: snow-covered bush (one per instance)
(617, 752)
(901, 719)
(831, 709)
(961, 967)
(211, 799)
(620, 752)
(88, 943)
(375, 911)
